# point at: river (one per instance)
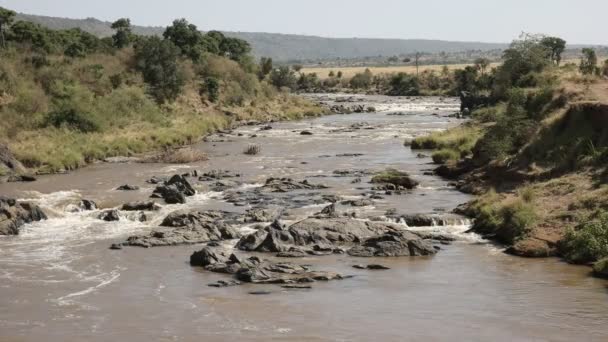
(59, 281)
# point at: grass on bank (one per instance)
(452, 144)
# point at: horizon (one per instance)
(214, 18)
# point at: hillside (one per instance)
(284, 47)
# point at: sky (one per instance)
(577, 21)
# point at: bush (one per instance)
(588, 242)
(461, 139)
(403, 84)
(211, 87)
(283, 77)
(362, 80)
(507, 222)
(445, 155)
(73, 119)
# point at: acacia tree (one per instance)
(157, 59)
(555, 47)
(588, 62)
(283, 77)
(6, 19)
(123, 36)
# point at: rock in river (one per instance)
(394, 244)
(288, 184)
(15, 214)
(189, 227)
(175, 190)
(397, 178)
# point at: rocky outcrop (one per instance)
(175, 190)
(15, 214)
(394, 244)
(109, 215)
(400, 180)
(140, 206)
(288, 184)
(313, 235)
(217, 259)
(127, 187)
(185, 228)
(9, 162)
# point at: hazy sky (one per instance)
(578, 21)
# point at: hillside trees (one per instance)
(283, 77)
(123, 36)
(6, 19)
(157, 59)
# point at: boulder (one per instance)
(175, 190)
(87, 205)
(109, 215)
(140, 206)
(314, 234)
(288, 184)
(306, 133)
(14, 214)
(397, 178)
(189, 227)
(393, 244)
(128, 187)
(364, 202)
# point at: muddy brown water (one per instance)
(60, 282)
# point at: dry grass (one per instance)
(180, 156)
(348, 72)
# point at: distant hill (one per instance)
(283, 47)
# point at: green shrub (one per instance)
(445, 155)
(73, 119)
(588, 242)
(211, 87)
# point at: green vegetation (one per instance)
(589, 241)
(452, 144)
(68, 98)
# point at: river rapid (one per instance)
(59, 281)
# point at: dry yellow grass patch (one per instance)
(348, 72)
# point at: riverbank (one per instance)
(548, 196)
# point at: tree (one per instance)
(466, 80)
(186, 37)
(296, 67)
(123, 36)
(362, 80)
(211, 87)
(588, 64)
(403, 84)
(283, 77)
(6, 19)
(605, 68)
(482, 64)
(339, 74)
(157, 60)
(234, 48)
(555, 47)
(331, 73)
(28, 32)
(75, 50)
(265, 67)
(407, 60)
(308, 82)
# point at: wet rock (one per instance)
(210, 255)
(155, 180)
(189, 227)
(127, 187)
(327, 212)
(225, 283)
(116, 246)
(293, 254)
(217, 175)
(359, 203)
(288, 184)
(306, 133)
(265, 128)
(109, 215)
(87, 205)
(263, 214)
(331, 198)
(223, 185)
(356, 181)
(297, 287)
(397, 178)
(393, 244)
(260, 293)
(21, 178)
(360, 267)
(140, 206)
(175, 190)
(314, 234)
(14, 214)
(350, 155)
(377, 267)
(418, 220)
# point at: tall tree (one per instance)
(555, 47)
(6, 19)
(123, 36)
(186, 37)
(157, 60)
(588, 64)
